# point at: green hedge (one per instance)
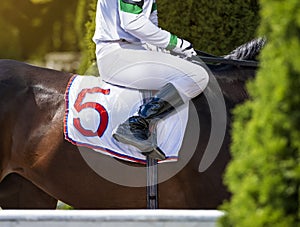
(213, 26)
(264, 175)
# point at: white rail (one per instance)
(109, 218)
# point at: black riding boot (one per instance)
(140, 131)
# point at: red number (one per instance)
(97, 107)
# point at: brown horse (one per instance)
(38, 166)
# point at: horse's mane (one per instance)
(232, 78)
(247, 51)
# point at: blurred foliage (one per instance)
(264, 175)
(63, 206)
(10, 46)
(31, 28)
(87, 8)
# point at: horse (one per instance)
(38, 166)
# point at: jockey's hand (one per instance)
(184, 47)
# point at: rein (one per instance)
(209, 58)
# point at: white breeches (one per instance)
(134, 66)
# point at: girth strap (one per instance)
(152, 187)
(152, 174)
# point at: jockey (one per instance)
(132, 51)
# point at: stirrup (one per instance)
(156, 153)
(147, 147)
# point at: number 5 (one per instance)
(79, 106)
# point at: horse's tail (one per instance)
(247, 51)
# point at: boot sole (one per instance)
(153, 152)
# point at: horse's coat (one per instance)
(38, 167)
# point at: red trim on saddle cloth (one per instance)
(67, 105)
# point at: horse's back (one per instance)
(10, 80)
(20, 75)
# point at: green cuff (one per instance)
(130, 8)
(172, 43)
(154, 7)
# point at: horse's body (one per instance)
(38, 166)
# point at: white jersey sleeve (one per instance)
(136, 19)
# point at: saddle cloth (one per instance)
(95, 108)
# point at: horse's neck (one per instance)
(232, 81)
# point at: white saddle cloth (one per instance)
(95, 108)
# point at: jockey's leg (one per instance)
(136, 130)
(132, 66)
(161, 104)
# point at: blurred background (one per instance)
(58, 34)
